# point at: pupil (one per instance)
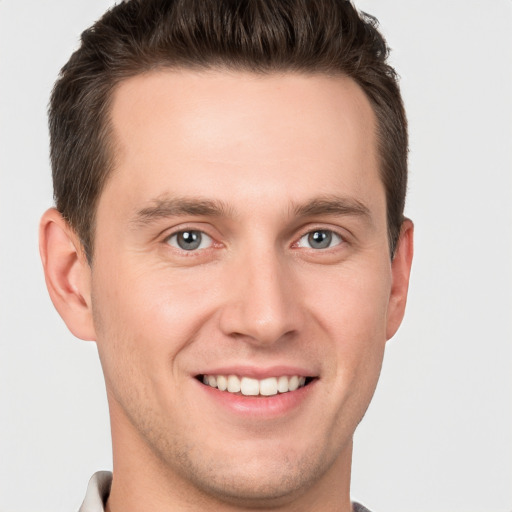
(320, 239)
(189, 240)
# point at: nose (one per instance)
(262, 301)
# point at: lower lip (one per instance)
(259, 406)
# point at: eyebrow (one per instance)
(181, 206)
(332, 205)
(166, 207)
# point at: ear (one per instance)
(67, 273)
(400, 272)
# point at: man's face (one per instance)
(241, 240)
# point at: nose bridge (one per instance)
(261, 306)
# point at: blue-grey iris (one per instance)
(320, 239)
(189, 240)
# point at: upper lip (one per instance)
(259, 373)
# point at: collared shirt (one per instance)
(99, 489)
(97, 492)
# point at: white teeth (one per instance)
(233, 384)
(293, 383)
(253, 387)
(268, 387)
(222, 382)
(249, 387)
(282, 384)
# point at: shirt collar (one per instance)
(97, 492)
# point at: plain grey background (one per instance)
(438, 435)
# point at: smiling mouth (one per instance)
(248, 386)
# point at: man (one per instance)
(230, 181)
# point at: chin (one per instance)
(250, 478)
(262, 486)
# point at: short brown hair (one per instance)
(262, 36)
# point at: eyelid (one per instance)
(204, 236)
(341, 233)
(334, 234)
(168, 233)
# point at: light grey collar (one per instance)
(97, 492)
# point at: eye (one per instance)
(190, 240)
(320, 239)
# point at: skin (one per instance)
(269, 153)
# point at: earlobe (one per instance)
(67, 274)
(400, 272)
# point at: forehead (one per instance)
(187, 130)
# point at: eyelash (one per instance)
(173, 236)
(331, 234)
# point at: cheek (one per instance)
(350, 304)
(351, 299)
(146, 316)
